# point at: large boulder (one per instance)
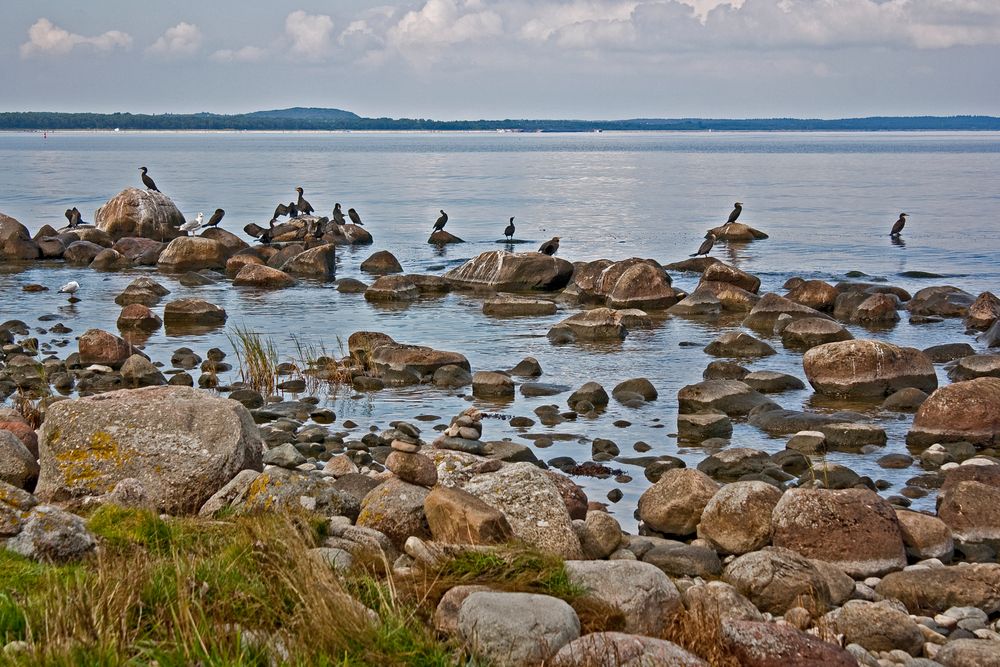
(983, 312)
(971, 508)
(396, 508)
(878, 626)
(456, 516)
(755, 644)
(100, 347)
(737, 519)
(815, 294)
(776, 579)
(738, 344)
(941, 301)
(640, 591)
(867, 369)
(180, 443)
(231, 242)
(854, 529)
(15, 241)
(82, 252)
(975, 366)
(192, 253)
(808, 332)
(397, 363)
(278, 488)
(737, 232)
(968, 411)
(135, 212)
(139, 250)
(508, 272)
(935, 590)
(533, 506)
(392, 288)
(381, 263)
(17, 464)
(110, 260)
(969, 653)
(926, 536)
(598, 324)
(724, 273)
(630, 283)
(516, 629)
(193, 312)
(319, 262)
(674, 505)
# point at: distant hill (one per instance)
(303, 118)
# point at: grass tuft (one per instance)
(258, 360)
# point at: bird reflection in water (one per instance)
(897, 241)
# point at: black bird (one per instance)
(509, 230)
(147, 181)
(706, 246)
(441, 222)
(304, 207)
(216, 218)
(75, 217)
(550, 247)
(320, 227)
(265, 238)
(898, 227)
(291, 211)
(353, 215)
(338, 215)
(735, 214)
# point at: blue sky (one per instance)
(517, 58)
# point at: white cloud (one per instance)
(247, 54)
(46, 38)
(310, 34)
(184, 39)
(444, 22)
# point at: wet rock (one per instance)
(768, 382)
(731, 298)
(724, 273)
(191, 253)
(644, 285)
(142, 290)
(51, 535)
(700, 303)
(908, 399)
(975, 366)
(451, 377)
(441, 237)
(983, 312)
(351, 286)
(81, 253)
(867, 369)
(257, 275)
(391, 359)
(738, 344)
(943, 301)
(101, 347)
(492, 384)
(674, 504)
(971, 509)
(144, 213)
(381, 263)
(15, 241)
(815, 294)
(17, 464)
(232, 243)
(776, 579)
(181, 444)
(737, 519)
(140, 251)
(319, 262)
(455, 516)
(110, 260)
(877, 310)
(852, 528)
(932, 591)
(699, 427)
(853, 437)
(643, 594)
(808, 332)
(508, 272)
(532, 504)
(765, 314)
(239, 261)
(599, 324)
(612, 649)
(940, 354)
(516, 628)
(192, 311)
(963, 411)
(772, 645)
(512, 306)
(724, 370)
(692, 265)
(392, 288)
(732, 397)
(738, 231)
(590, 392)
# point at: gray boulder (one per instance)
(516, 628)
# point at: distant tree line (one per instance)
(335, 119)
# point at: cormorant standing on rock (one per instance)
(736, 213)
(338, 215)
(216, 218)
(441, 222)
(353, 215)
(147, 181)
(291, 211)
(320, 227)
(265, 238)
(73, 215)
(304, 207)
(549, 247)
(706, 246)
(509, 230)
(898, 227)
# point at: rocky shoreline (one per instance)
(796, 560)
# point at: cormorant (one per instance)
(338, 215)
(441, 222)
(291, 211)
(192, 225)
(147, 181)
(898, 227)
(736, 213)
(304, 207)
(353, 215)
(509, 230)
(73, 215)
(706, 246)
(320, 227)
(69, 288)
(265, 238)
(550, 247)
(216, 218)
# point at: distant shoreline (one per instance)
(4, 131)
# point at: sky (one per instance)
(468, 59)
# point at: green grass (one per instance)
(258, 360)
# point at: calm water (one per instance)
(827, 200)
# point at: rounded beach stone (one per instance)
(738, 517)
(673, 506)
(516, 628)
(867, 369)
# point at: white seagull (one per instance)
(69, 288)
(192, 225)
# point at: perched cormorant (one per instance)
(291, 211)
(192, 225)
(353, 215)
(147, 181)
(509, 230)
(265, 238)
(736, 213)
(216, 218)
(338, 215)
(898, 227)
(320, 228)
(304, 207)
(69, 288)
(549, 247)
(706, 246)
(441, 222)
(73, 215)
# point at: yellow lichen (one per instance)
(87, 466)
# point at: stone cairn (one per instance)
(406, 462)
(464, 434)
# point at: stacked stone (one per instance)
(405, 460)
(464, 434)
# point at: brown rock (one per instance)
(738, 517)
(808, 332)
(674, 504)
(381, 263)
(456, 516)
(319, 262)
(969, 653)
(724, 273)
(614, 649)
(642, 286)
(232, 243)
(731, 397)
(100, 347)
(392, 288)
(971, 510)
(968, 411)
(138, 316)
(765, 314)
(815, 294)
(867, 369)
(598, 324)
(256, 275)
(776, 579)
(413, 468)
(509, 272)
(935, 590)
(135, 212)
(192, 253)
(139, 250)
(877, 309)
(110, 260)
(193, 312)
(396, 508)
(81, 253)
(983, 312)
(773, 645)
(852, 528)
(925, 536)
(940, 301)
